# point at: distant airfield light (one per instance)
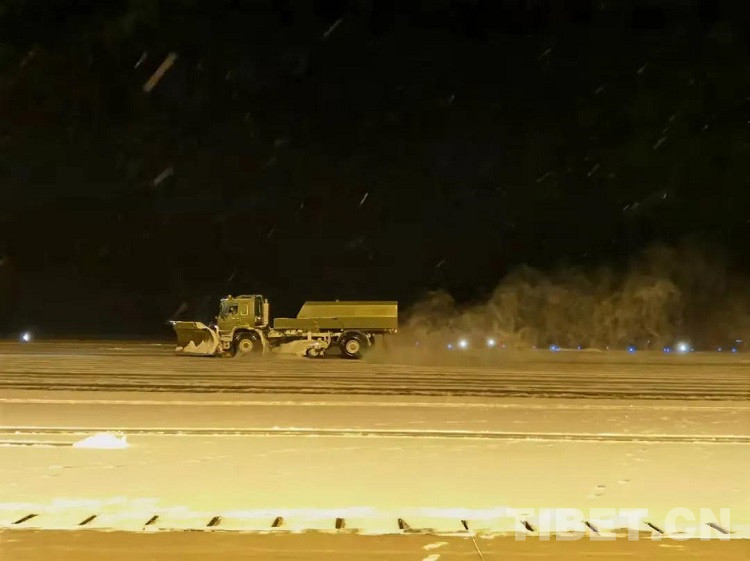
(580, 347)
(631, 349)
(718, 349)
(26, 336)
(491, 342)
(450, 346)
(734, 349)
(683, 347)
(463, 343)
(554, 348)
(667, 350)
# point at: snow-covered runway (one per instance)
(144, 368)
(287, 444)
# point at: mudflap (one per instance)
(196, 338)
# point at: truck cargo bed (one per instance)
(339, 316)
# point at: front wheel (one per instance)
(354, 345)
(248, 343)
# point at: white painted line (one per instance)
(603, 437)
(400, 404)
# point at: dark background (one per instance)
(484, 134)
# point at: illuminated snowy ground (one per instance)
(153, 368)
(235, 457)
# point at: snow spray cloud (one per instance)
(665, 294)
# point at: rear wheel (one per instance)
(248, 343)
(354, 345)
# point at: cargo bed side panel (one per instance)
(361, 315)
(337, 324)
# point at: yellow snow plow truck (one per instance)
(243, 327)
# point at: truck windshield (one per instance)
(227, 309)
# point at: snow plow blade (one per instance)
(196, 338)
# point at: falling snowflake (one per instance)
(332, 28)
(141, 60)
(156, 76)
(169, 171)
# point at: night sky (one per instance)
(355, 149)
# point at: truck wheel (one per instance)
(354, 345)
(312, 352)
(248, 343)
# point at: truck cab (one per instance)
(245, 311)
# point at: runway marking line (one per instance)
(409, 404)
(369, 433)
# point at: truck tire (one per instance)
(353, 345)
(312, 352)
(248, 343)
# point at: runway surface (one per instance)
(70, 546)
(474, 444)
(153, 368)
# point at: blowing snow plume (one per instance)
(665, 294)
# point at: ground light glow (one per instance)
(491, 342)
(26, 336)
(683, 347)
(463, 344)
